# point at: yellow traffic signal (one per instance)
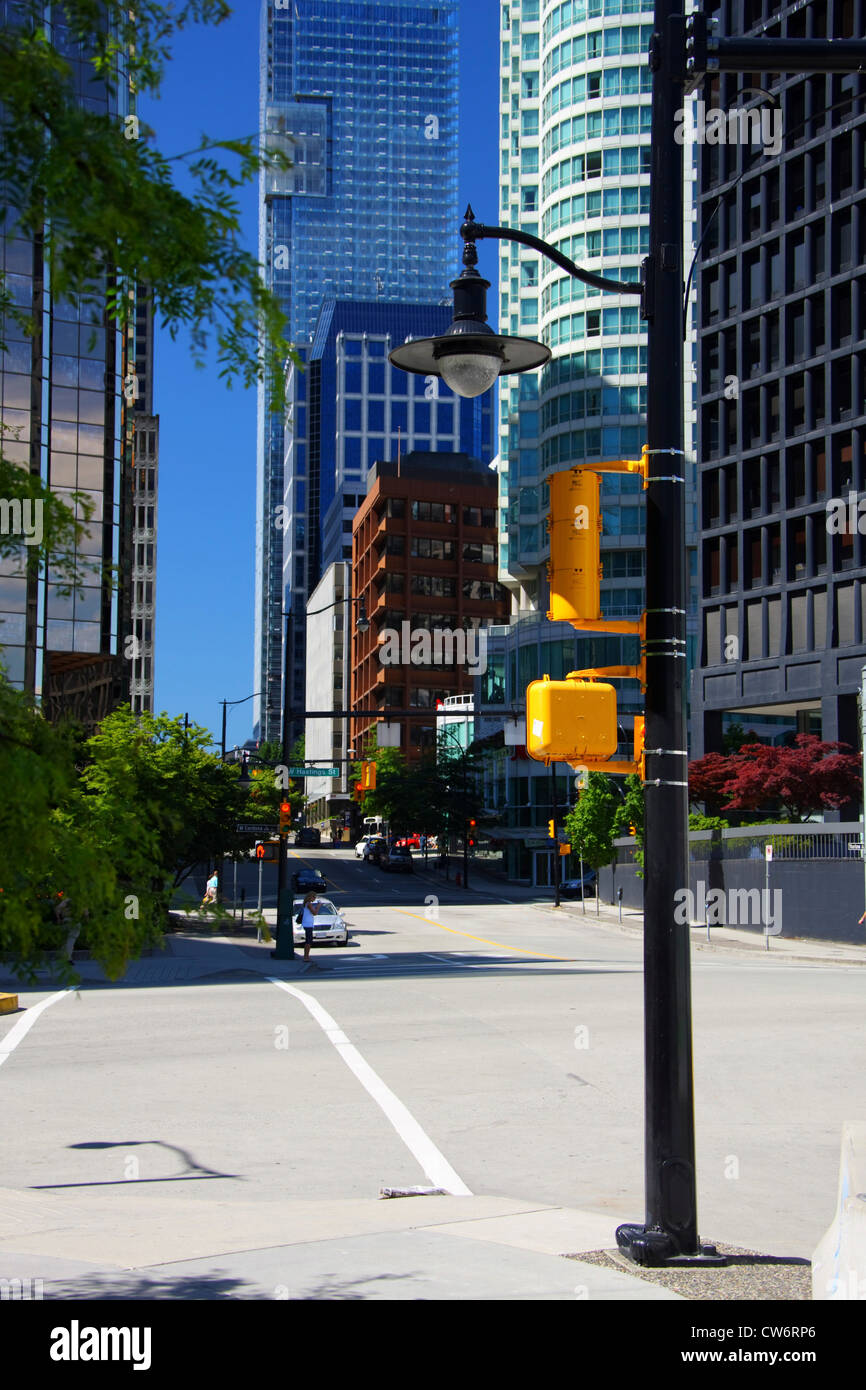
(551, 829)
(575, 559)
(639, 742)
(570, 720)
(285, 815)
(368, 777)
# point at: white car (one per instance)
(362, 845)
(330, 924)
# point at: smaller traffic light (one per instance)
(368, 776)
(260, 851)
(639, 745)
(632, 830)
(285, 815)
(551, 829)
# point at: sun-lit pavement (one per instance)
(158, 1129)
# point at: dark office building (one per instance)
(781, 386)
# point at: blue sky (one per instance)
(206, 536)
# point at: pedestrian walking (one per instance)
(308, 917)
(210, 895)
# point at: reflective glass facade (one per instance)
(366, 96)
(65, 415)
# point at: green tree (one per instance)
(159, 802)
(590, 824)
(630, 813)
(54, 872)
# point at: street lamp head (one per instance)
(362, 622)
(469, 356)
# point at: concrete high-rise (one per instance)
(367, 98)
(782, 381)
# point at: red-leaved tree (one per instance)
(810, 777)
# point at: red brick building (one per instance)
(424, 556)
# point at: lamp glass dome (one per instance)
(469, 373)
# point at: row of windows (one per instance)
(567, 291)
(593, 324)
(574, 366)
(761, 275)
(804, 330)
(757, 417)
(592, 86)
(619, 120)
(445, 586)
(623, 564)
(607, 42)
(573, 11)
(810, 621)
(143, 592)
(356, 418)
(798, 474)
(144, 518)
(582, 446)
(609, 202)
(595, 400)
(629, 160)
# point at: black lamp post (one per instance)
(681, 50)
(670, 1230)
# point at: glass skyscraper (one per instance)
(366, 98)
(72, 392)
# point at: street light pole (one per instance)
(670, 1228)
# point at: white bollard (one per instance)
(839, 1261)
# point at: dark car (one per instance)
(571, 888)
(308, 837)
(308, 881)
(398, 859)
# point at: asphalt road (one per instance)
(511, 1034)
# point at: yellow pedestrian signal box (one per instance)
(368, 777)
(571, 720)
(575, 546)
(551, 829)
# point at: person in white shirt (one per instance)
(311, 908)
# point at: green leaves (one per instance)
(99, 834)
(590, 826)
(107, 199)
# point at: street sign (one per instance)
(314, 772)
(768, 853)
(244, 827)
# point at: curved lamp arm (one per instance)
(472, 231)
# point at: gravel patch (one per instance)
(748, 1275)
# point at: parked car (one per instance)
(411, 842)
(571, 888)
(374, 850)
(398, 858)
(330, 925)
(361, 846)
(308, 881)
(308, 837)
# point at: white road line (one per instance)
(23, 1026)
(433, 1163)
